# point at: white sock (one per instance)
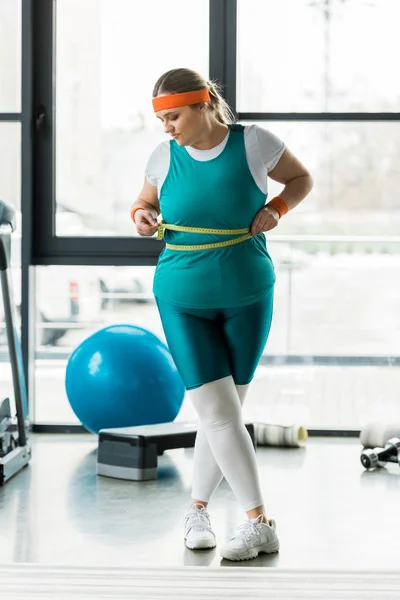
(229, 451)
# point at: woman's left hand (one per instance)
(266, 219)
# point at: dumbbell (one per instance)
(378, 457)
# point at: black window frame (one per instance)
(40, 245)
(47, 248)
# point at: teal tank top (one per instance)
(221, 194)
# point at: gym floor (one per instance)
(330, 511)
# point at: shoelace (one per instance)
(198, 520)
(247, 530)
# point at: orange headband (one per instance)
(184, 99)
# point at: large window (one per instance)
(109, 54)
(324, 306)
(321, 74)
(318, 56)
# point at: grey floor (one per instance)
(330, 512)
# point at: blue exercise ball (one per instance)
(123, 376)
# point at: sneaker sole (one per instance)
(272, 548)
(201, 544)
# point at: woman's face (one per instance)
(183, 124)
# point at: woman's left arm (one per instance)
(297, 183)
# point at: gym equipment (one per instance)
(293, 436)
(15, 451)
(131, 452)
(379, 457)
(123, 376)
(376, 434)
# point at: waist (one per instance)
(239, 236)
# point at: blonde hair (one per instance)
(177, 81)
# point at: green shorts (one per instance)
(209, 344)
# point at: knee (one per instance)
(217, 404)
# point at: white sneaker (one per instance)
(198, 532)
(251, 539)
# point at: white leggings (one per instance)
(223, 445)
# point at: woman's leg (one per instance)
(217, 401)
(220, 412)
(206, 473)
(197, 346)
(196, 343)
(246, 331)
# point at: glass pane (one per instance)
(10, 163)
(356, 176)
(319, 55)
(323, 305)
(71, 304)
(326, 301)
(327, 397)
(107, 66)
(10, 55)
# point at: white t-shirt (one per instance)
(263, 151)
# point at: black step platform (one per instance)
(132, 452)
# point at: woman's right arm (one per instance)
(145, 210)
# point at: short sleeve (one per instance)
(158, 165)
(270, 146)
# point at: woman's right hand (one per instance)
(146, 224)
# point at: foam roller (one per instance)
(377, 434)
(280, 435)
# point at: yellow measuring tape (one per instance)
(162, 226)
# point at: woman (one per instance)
(214, 282)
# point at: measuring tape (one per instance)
(162, 226)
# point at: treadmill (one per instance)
(15, 451)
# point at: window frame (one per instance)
(40, 245)
(47, 248)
